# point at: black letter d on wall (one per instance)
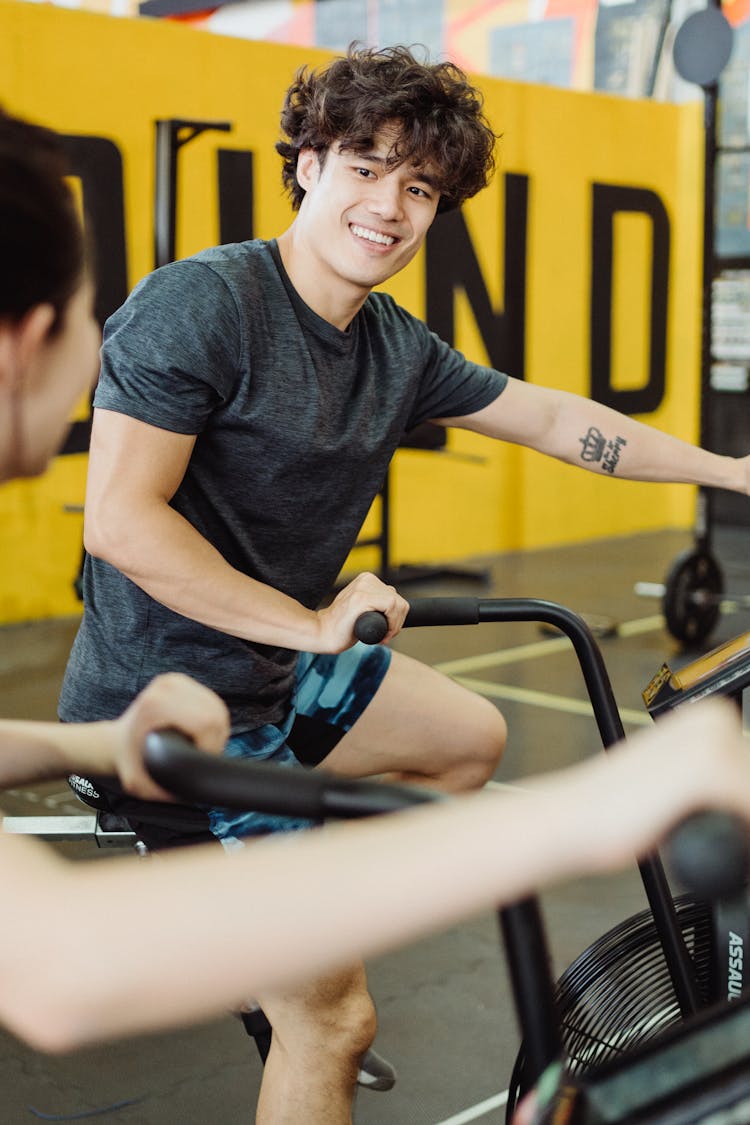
(608, 200)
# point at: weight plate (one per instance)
(692, 596)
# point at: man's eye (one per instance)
(365, 171)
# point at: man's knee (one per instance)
(339, 1019)
(352, 1028)
(486, 738)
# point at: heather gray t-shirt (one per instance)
(296, 423)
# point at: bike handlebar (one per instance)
(236, 783)
(372, 626)
(709, 854)
(462, 611)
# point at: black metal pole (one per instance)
(531, 980)
(171, 135)
(706, 502)
(165, 193)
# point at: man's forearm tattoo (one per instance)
(595, 447)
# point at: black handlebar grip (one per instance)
(708, 854)
(371, 627)
(165, 753)
(239, 783)
(442, 611)
(175, 763)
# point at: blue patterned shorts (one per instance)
(331, 691)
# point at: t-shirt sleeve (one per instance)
(171, 353)
(452, 386)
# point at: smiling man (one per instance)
(366, 212)
(250, 400)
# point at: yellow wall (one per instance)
(84, 73)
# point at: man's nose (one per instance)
(386, 199)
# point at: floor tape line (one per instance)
(641, 625)
(474, 1112)
(504, 656)
(536, 649)
(547, 700)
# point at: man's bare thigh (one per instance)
(418, 722)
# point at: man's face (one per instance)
(362, 219)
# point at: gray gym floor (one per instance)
(445, 1015)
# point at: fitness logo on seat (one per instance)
(595, 447)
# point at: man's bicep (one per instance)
(132, 460)
(521, 413)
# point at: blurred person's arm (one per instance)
(435, 865)
(39, 751)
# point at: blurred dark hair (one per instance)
(438, 112)
(42, 256)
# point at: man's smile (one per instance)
(372, 236)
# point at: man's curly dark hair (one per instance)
(438, 112)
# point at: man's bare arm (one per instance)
(581, 432)
(134, 471)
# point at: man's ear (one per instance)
(308, 168)
(21, 340)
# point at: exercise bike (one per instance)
(696, 1071)
(674, 947)
(653, 981)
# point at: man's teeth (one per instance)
(373, 236)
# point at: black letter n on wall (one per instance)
(608, 200)
(235, 195)
(452, 264)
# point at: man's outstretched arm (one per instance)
(581, 432)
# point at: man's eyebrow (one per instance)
(351, 150)
(426, 178)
